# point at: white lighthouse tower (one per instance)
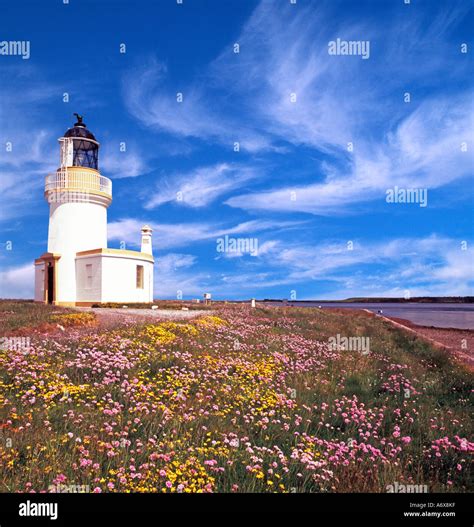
(78, 268)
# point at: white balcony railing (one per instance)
(77, 179)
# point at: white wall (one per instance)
(119, 280)
(113, 279)
(74, 227)
(150, 283)
(89, 292)
(39, 282)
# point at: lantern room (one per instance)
(79, 147)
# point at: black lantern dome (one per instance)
(85, 145)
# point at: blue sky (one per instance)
(321, 139)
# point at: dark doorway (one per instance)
(50, 283)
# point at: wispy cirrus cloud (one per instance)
(424, 151)
(289, 90)
(24, 164)
(171, 235)
(339, 100)
(128, 164)
(199, 187)
(149, 97)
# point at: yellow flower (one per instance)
(211, 320)
(74, 319)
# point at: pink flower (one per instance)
(97, 490)
(406, 439)
(169, 484)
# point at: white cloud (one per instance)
(166, 236)
(199, 187)
(284, 51)
(171, 262)
(424, 151)
(156, 106)
(117, 165)
(429, 266)
(175, 275)
(17, 282)
(424, 266)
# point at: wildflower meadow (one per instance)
(237, 400)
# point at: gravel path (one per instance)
(109, 317)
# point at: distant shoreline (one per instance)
(375, 300)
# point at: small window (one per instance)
(88, 276)
(139, 276)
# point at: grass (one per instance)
(244, 399)
(20, 314)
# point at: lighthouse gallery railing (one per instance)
(81, 180)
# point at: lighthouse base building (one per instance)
(79, 269)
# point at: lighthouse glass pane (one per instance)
(86, 154)
(139, 276)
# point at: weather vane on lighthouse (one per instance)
(79, 268)
(79, 120)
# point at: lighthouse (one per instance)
(78, 267)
